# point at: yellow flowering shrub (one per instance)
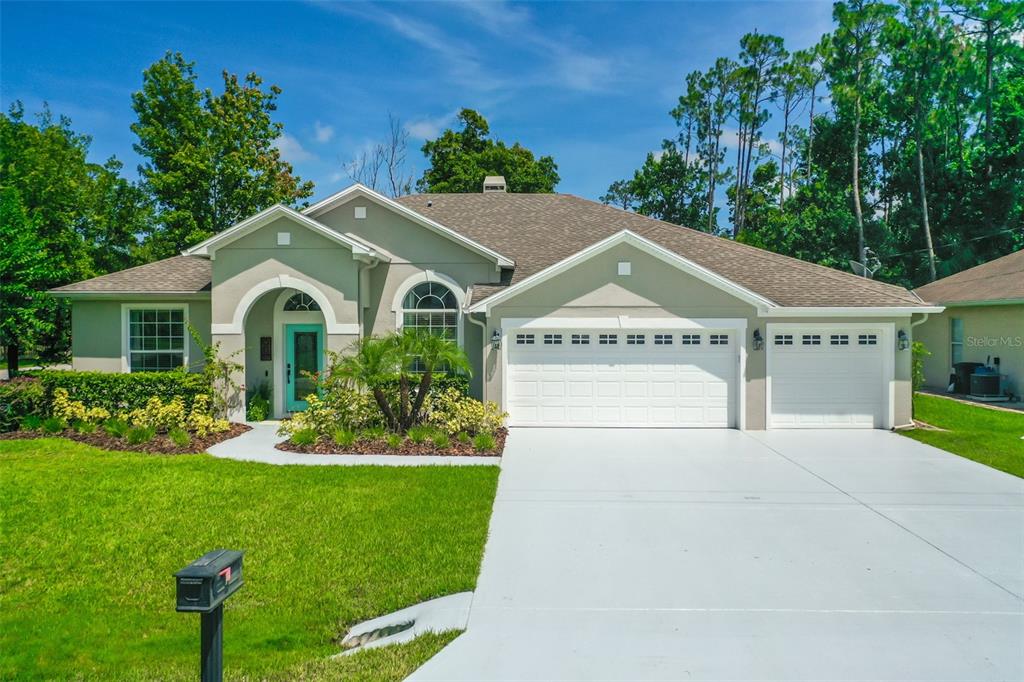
(71, 411)
(201, 422)
(452, 411)
(158, 415)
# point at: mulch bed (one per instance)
(160, 445)
(380, 447)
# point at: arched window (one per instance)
(302, 302)
(432, 307)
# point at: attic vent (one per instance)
(494, 183)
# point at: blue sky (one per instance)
(588, 83)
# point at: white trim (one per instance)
(237, 324)
(888, 340)
(430, 276)
(281, 318)
(739, 325)
(265, 217)
(850, 311)
(362, 190)
(126, 342)
(646, 245)
(142, 295)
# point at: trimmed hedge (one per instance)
(117, 392)
(441, 382)
(19, 398)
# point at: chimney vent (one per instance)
(494, 183)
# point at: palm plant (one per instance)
(428, 354)
(373, 365)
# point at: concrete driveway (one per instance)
(689, 555)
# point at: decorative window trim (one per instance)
(304, 303)
(126, 309)
(437, 278)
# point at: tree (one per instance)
(854, 74)
(382, 167)
(793, 85)
(460, 160)
(210, 160)
(23, 276)
(665, 187)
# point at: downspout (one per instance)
(363, 290)
(483, 347)
(912, 424)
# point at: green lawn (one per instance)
(90, 539)
(992, 437)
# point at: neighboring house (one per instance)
(572, 313)
(984, 320)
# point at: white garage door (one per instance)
(827, 378)
(636, 377)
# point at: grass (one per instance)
(91, 538)
(992, 437)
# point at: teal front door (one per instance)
(304, 355)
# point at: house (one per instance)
(983, 322)
(573, 313)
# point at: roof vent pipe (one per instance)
(494, 183)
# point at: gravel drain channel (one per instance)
(435, 615)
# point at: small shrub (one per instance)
(258, 409)
(303, 437)
(344, 438)
(84, 427)
(420, 434)
(161, 417)
(441, 441)
(463, 438)
(20, 398)
(373, 433)
(54, 425)
(200, 420)
(32, 422)
(180, 437)
(116, 427)
(395, 441)
(484, 442)
(452, 412)
(137, 435)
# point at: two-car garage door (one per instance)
(622, 377)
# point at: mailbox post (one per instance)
(202, 587)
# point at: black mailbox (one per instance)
(209, 580)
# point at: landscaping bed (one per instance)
(381, 446)
(159, 444)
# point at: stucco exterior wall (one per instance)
(97, 333)
(989, 332)
(413, 249)
(657, 290)
(255, 258)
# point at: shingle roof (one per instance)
(997, 280)
(175, 275)
(539, 230)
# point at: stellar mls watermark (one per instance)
(995, 341)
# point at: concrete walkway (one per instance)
(720, 555)
(257, 445)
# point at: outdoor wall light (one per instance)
(902, 342)
(496, 339)
(758, 340)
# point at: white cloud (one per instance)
(323, 132)
(429, 128)
(292, 150)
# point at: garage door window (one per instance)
(839, 340)
(552, 339)
(635, 339)
(581, 339)
(812, 339)
(690, 339)
(867, 339)
(524, 339)
(783, 339)
(719, 340)
(607, 339)
(662, 339)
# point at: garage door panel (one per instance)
(830, 384)
(665, 384)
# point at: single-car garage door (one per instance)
(825, 377)
(635, 377)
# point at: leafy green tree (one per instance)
(211, 160)
(23, 276)
(460, 160)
